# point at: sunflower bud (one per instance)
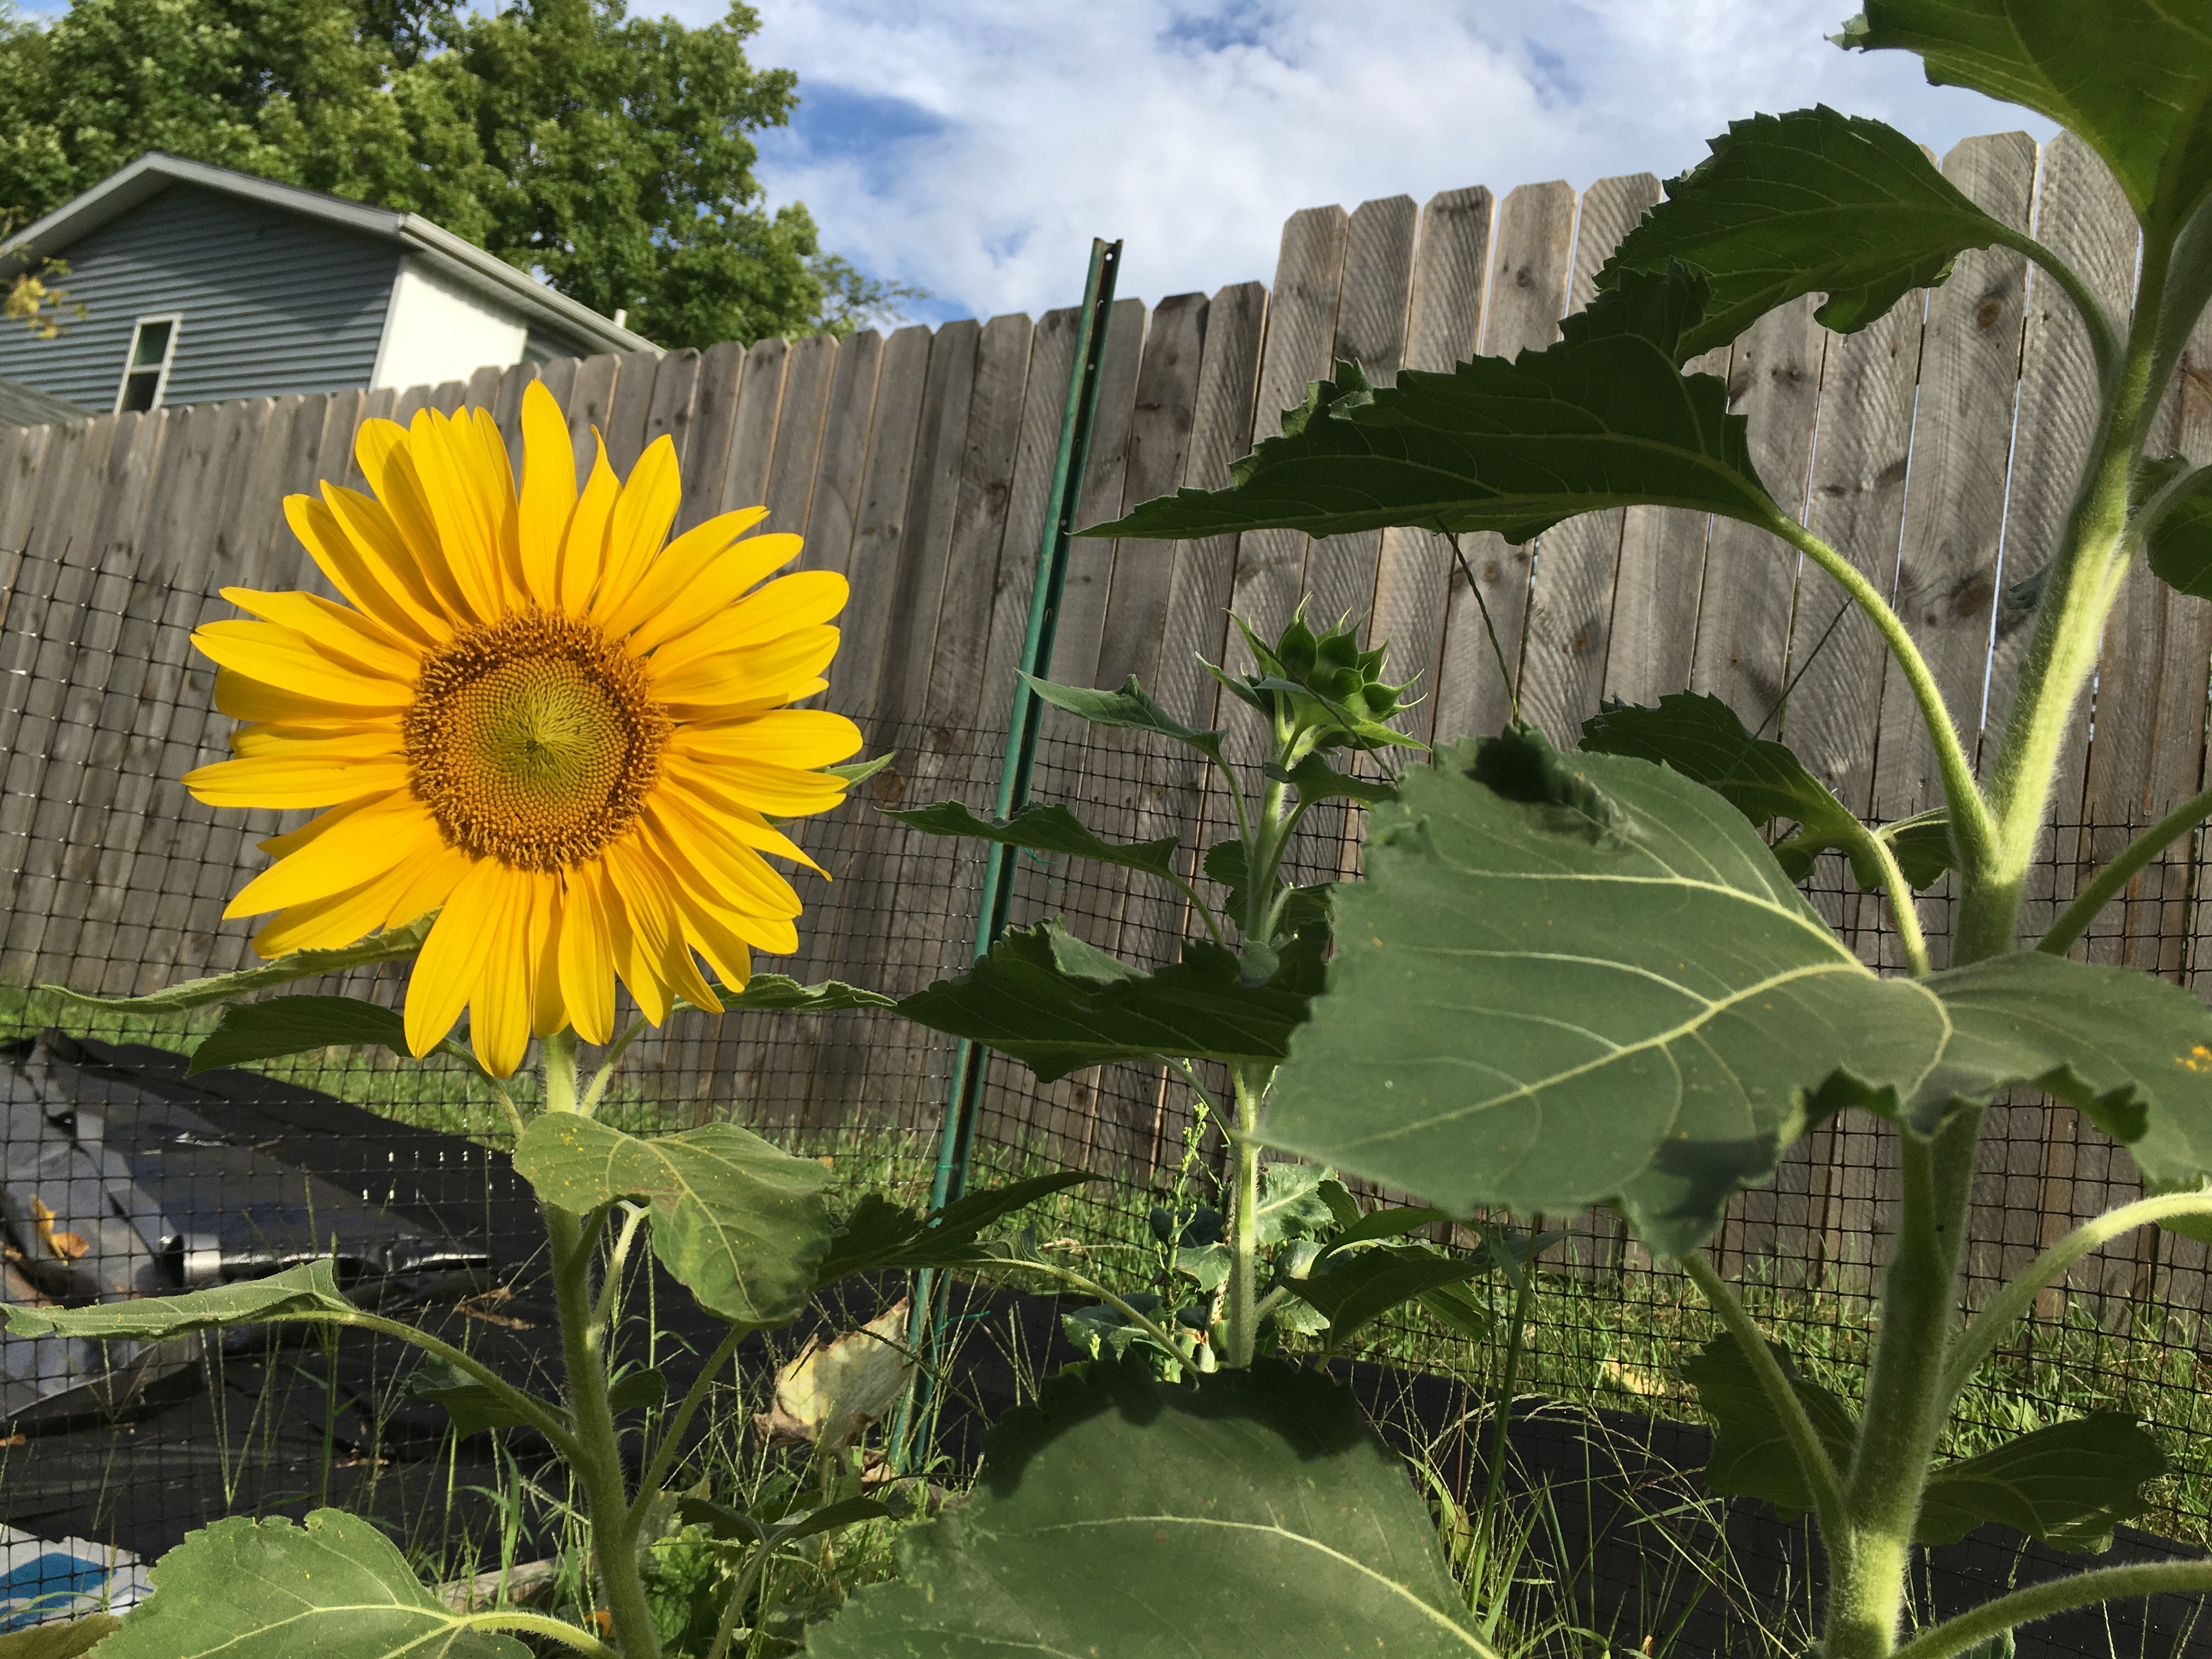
(1322, 687)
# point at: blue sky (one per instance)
(974, 146)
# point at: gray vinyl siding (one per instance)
(543, 345)
(271, 303)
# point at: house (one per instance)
(21, 406)
(202, 284)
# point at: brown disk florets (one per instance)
(534, 740)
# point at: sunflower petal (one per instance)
(637, 947)
(709, 689)
(642, 513)
(383, 449)
(584, 546)
(548, 1014)
(799, 738)
(450, 969)
(440, 449)
(549, 492)
(354, 542)
(359, 846)
(284, 781)
(696, 575)
(282, 657)
(325, 923)
(346, 634)
(789, 603)
(500, 1009)
(585, 956)
(725, 866)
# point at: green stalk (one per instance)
(1906, 1406)
(2062, 653)
(1820, 1477)
(2104, 886)
(2083, 1589)
(1493, 1491)
(2012, 1302)
(1244, 1226)
(537, 1623)
(597, 1454)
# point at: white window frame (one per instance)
(175, 319)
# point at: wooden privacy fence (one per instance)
(1935, 447)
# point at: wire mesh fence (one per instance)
(120, 1174)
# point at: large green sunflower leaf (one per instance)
(2069, 1485)
(393, 945)
(1603, 418)
(336, 1587)
(1808, 202)
(1120, 1515)
(1058, 1006)
(1042, 829)
(736, 1221)
(1578, 979)
(2129, 78)
(292, 1025)
(305, 1290)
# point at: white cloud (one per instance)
(974, 146)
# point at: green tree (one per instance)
(612, 154)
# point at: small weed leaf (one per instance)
(737, 1222)
(1118, 1509)
(336, 1587)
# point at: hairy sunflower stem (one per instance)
(597, 1459)
(2080, 1589)
(556, 1630)
(1902, 904)
(2012, 1302)
(2070, 626)
(1245, 1236)
(1906, 1406)
(560, 1059)
(2105, 886)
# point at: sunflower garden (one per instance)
(554, 749)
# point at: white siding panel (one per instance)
(438, 330)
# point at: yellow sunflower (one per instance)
(533, 714)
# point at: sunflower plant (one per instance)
(1585, 978)
(547, 749)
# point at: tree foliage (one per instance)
(613, 154)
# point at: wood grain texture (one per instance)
(1372, 316)
(751, 454)
(826, 488)
(715, 391)
(1571, 599)
(1301, 332)
(1531, 270)
(1414, 570)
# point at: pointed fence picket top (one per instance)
(1931, 448)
